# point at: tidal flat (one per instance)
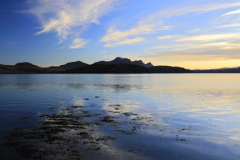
(119, 117)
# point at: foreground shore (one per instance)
(88, 132)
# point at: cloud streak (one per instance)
(168, 37)
(200, 45)
(78, 43)
(193, 30)
(230, 25)
(233, 12)
(182, 55)
(117, 35)
(154, 22)
(211, 37)
(125, 42)
(62, 16)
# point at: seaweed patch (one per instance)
(74, 132)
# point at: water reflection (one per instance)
(160, 116)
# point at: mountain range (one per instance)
(70, 65)
(110, 68)
(220, 70)
(119, 60)
(117, 65)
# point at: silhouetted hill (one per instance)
(26, 64)
(149, 65)
(140, 62)
(24, 68)
(221, 70)
(94, 68)
(168, 69)
(119, 60)
(111, 68)
(70, 65)
(118, 65)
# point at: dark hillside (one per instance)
(24, 68)
(70, 65)
(168, 69)
(112, 68)
(120, 60)
(223, 70)
(26, 64)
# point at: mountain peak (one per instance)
(139, 61)
(25, 64)
(70, 65)
(149, 65)
(120, 60)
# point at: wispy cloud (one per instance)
(233, 12)
(159, 47)
(183, 55)
(62, 16)
(168, 37)
(211, 37)
(154, 22)
(193, 30)
(78, 43)
(117, 35)
(199, 45)
(200, 9)
(219, 45)
(230, 25)
(125, 42)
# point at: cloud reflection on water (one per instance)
(198, 114)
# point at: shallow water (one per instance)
(156, 116)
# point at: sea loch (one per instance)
(120, 116)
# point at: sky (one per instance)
(194, 34)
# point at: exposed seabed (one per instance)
(90, 132)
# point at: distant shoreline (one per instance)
(116, 66)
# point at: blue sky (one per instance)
(190, 33)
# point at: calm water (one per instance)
(189, 116)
